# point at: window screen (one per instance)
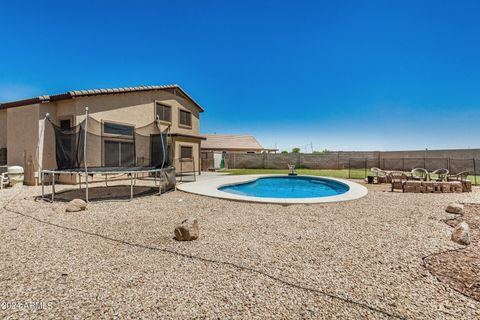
(118, 129)
(185, 118)
(186, 152)
(65, 124)
(164, 112)
(119, 154)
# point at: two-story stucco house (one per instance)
(21, 122)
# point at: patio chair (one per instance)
(418, 174)
(461, 176)
(441, 175)
(380, 175)
(3, 180)
(398, 180)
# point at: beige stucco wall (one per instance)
(22, 133)
(130, 108)
(3, 128)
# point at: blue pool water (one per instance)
(288, 187)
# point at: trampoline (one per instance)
(101, 148)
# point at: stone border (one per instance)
(209, 187)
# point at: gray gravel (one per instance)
(358, 259)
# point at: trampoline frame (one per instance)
(131, 172)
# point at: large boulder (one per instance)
(187, 230)
(461, 233)
(454, 207)
(76, 205)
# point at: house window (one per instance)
(163, 112)
(185, 118)
(119, 153)
(186, 152)
(118, 129)
(65, 124)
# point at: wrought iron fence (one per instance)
(359, 168)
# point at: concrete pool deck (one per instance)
(208, 185)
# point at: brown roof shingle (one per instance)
(230, 141)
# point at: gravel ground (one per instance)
(357, 259)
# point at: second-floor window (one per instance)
(185, 118)
(164, 112)
(118, 129)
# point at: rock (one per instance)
(76, 205)
(188, 230)
(455, 208)
(461, 233)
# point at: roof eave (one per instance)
(88, 93)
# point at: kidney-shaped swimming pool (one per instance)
(288, 187)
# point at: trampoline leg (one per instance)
(43, 185)
(131, 186)
(80, 181)
(86, 188)
(53, 187)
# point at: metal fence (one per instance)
(359, 168)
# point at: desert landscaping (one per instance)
(382, 256)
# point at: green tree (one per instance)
(296, 150)
(284, 151)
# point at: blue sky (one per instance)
(342, 75)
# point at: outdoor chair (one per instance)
(398, 180)
(380, 175)
(440, 173)
(461, 176)
(3, 180)
(419, 174)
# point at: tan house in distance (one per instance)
(231, 143)
(21, 121)
(216, 146)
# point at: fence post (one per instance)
(349, 166)
(365, 167)
(475, 170)
(383, 164)
(403, 164)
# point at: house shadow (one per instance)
(104, 193)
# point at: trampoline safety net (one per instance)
(110, 145)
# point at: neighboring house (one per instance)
(21, 121)
(217, 145)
